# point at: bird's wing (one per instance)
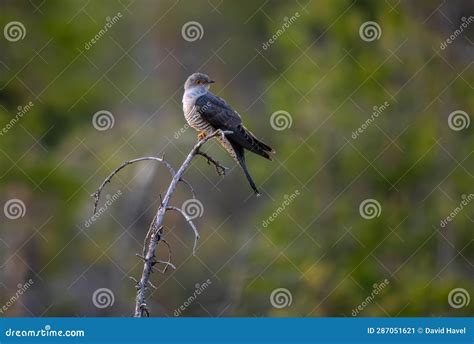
(216, 111)
(221, 116)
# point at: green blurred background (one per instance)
(322, 74)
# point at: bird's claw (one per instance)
(201, 135)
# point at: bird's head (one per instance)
(199, 80)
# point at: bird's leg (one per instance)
(201, 135)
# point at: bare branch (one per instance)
(148, 234)
(220, 169)
(167, 263)
(96, 194)
(155, 231)
(170, 253)
(189, 186)
(141, 308)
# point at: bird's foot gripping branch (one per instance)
(155, 231)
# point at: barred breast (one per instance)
(195, 120)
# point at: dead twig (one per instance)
(220, 169)
(107, 180)
(189, 220)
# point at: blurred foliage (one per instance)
(323, 74)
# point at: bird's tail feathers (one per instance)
(249, 177)
(240, 157)
(255, 145)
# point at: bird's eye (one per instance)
(198, 82)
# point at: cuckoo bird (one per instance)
(206, 113)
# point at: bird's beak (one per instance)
(211, 82)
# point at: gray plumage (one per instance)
(206, 113)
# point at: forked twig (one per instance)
(220, 169)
